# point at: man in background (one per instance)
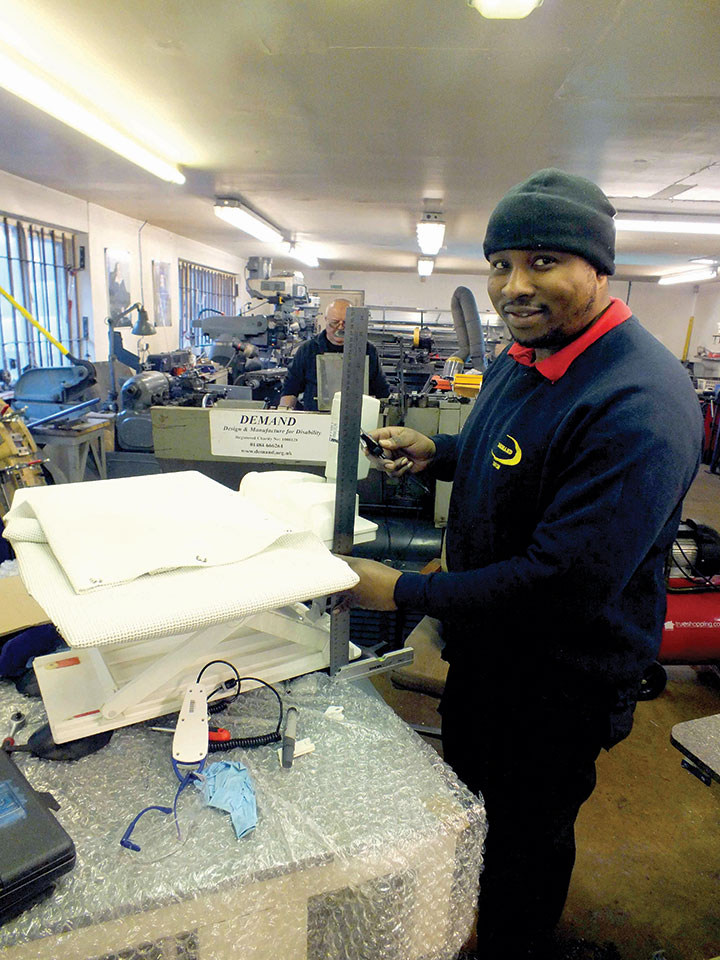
(302, 374)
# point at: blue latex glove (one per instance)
(227, 786)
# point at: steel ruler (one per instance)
(353, 378)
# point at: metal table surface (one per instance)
(699, 741)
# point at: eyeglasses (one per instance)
(334, 324)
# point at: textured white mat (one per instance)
(112, 531)
(295, 567)
(148, 557)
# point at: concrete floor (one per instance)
(647, 876)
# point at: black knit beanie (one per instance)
(553, 210)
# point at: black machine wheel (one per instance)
(653, 682)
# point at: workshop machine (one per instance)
(247, 356)
(194, 386)
(427, 359)
(20, 462)
(44, 391)
(256, 347)
(692, 622)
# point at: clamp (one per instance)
(17, 722)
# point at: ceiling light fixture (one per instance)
(505, 9)
(303, 253)
(237, 215)
(425, 266)
(668, 226)
(44, 95)
(690, 276)
(430, 233)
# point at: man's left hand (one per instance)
(376, 589)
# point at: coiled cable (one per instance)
(261, 740)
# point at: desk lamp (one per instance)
(142, 328)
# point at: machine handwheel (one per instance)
(653, 682)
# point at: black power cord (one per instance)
(700, 583)
(217, 706)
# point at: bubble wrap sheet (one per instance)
(368, 848)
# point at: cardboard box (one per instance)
(18, 610)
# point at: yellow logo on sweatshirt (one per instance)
(509, 454)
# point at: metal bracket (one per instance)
(371, 664)
(697, 772)
(424, 731)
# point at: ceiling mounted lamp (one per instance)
(690, 276)
(425, 266)
(238, 215)
(303, 253)
(24, 82)
(430, 233)
(668, 225)
(505, 9)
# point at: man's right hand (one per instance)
(408, 450)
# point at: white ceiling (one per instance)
(336, 119)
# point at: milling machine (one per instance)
(246, 356)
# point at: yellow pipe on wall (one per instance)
(691, 321)
(64, 350)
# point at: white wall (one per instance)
(664, 311)
(111, 230)
(401, 289)
(100, 229)
(707, 320)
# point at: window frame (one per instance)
(38, 268)
(202, 289)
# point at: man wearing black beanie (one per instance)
(568, 481)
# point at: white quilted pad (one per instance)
(113, 531)
(270, 568)
(295, 568)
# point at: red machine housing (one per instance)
(692, 626)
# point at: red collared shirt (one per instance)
(556, 365)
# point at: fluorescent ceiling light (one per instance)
(505, 9)
(430, 234)
(303, 253)
(32, 88)
(690, 276)
(669, 226)
(425, 266)
(234, 213)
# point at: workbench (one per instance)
(68, 447)
(699, 741)
(368, 847)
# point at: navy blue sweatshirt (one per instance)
(566, 498)
(302, 375)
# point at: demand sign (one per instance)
(269, 434)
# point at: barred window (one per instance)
(203, 291)
(37, 268)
